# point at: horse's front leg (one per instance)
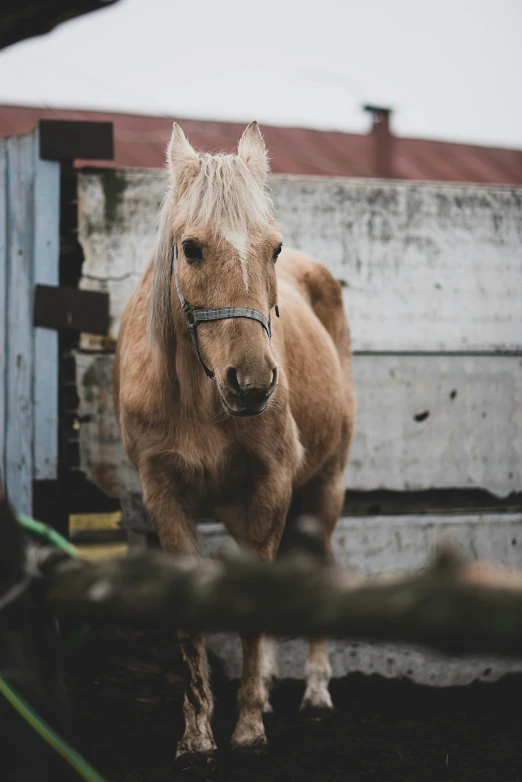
(198, 704)
(265, 522)
(176, 533)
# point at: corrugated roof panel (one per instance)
(140, 142)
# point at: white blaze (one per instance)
(238, 240)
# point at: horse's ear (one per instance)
(182, 158)
(252, 150)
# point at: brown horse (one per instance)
(274, 421)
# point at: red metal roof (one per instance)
(140, 142)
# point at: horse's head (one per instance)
(218, 215)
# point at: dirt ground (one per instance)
(126, 694)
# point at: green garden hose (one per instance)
(39, 528)
(58, 744)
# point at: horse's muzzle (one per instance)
(243, 399)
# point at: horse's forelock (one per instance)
(225, 195)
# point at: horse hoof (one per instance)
(253, 749)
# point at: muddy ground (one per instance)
(126, 694)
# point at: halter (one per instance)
(197, 315)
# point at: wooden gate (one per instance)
(29, 255)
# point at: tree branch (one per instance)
(451, 606)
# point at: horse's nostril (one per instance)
(232, 380)
(246, 389)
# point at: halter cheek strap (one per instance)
(196, 315)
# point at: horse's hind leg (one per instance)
(318, 674)
(322, 498)
(269, 669)
(176, 534)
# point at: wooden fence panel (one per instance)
(46, 255)
(3, 301)
(29, 253)
(19, 420)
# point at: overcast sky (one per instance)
(451, 69)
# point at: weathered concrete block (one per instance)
(423, 422)
(426, 266)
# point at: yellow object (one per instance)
(80, 522)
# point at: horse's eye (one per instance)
(277, 252)
(192, 250)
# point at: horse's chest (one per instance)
(201, 448)
(229, 478)
(211, 465)
(203, 488)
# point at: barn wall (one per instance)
(29, 253)
(470, 437)
(431, 275)
(426, 267)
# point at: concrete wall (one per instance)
(432, 277)
(469, 435)
(427, 267)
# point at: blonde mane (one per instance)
(222, 193)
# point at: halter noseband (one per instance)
(197, 315)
